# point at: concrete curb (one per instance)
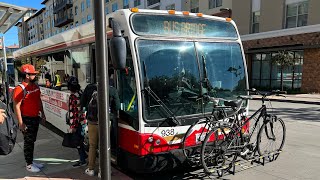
(291, 101)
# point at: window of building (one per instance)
(114, 7)
(75, 10)
(215, 3)
(71, 25)
(67, 27)
(194, 6)
(107, 10)
(156, 7)
(125, 4)
(83, 20)
(107, 1)
(171, 7)
(89, 18)
(266, 76)
(297, 14)
(152, 2)
(255, 21)
(137, 3)
(82, 6)
(88, 3)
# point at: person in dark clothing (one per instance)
(86, 96)
(47, 76)
(93, 123)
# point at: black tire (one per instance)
(271, 141)
(192, 153)
(219, 155)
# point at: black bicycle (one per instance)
(224, 143)
(195, 135)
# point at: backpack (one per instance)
(92, 112)
(8, 131)
(25, 92)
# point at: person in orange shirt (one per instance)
(27, 105)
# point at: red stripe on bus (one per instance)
(137, 143)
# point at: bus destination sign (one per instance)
(184, 28)
(164, 25)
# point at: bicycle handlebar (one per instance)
(270, 93)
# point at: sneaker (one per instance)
(32, 168)
(89, 172)
(38, 165)
(78, 164)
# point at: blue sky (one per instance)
(11, 36)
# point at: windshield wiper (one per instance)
(205, 74)
(164, 107)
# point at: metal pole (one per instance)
(4, 56)
(5, 69)
(103, 91)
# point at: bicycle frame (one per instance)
(239, 124)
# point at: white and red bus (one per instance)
(172, 59)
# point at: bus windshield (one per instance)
(175, 72)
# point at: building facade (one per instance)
(266, 27)
(270, 26)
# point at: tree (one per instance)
(284, 59)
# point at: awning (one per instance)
(10, 15)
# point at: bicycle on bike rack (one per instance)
(226, 141)
(191, 145)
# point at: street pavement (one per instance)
(299, 160)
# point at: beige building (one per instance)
(23, 29)
(269, 26)
(265, 26)
(60, 15)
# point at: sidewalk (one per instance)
(296, 98)
(58, 160)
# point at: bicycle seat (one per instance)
(233, 103)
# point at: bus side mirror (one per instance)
(118, 47)
(118, 52)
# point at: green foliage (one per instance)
(283, 59)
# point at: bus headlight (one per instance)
(158, 142)
(150, 139)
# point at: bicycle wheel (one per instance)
(192, 140)
(218, 152)
(271, 136)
